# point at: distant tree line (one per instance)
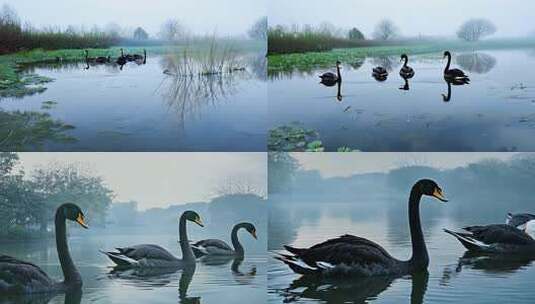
(28, 201)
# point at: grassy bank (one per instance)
(311, 60)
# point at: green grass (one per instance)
(311, 60)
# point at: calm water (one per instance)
(495, 112)
(215, 281)
(453, 277)
(139, 108)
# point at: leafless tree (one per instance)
(238, 185)
(475, 29)
(172, 30)
(385, 30)
(259, 29)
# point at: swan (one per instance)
(100, 59)
(20, 277)
(149, 255)
(356, 256)
(213, 247)
(140, 58)
(454, 74)
(496, 238)
(519, 220)
(122, 59)
(406, 71)
(329, 78)
(379, 72)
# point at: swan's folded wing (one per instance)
(348, 250)
(219, 244)
(147, 251)
(21, 276)
(502, 233)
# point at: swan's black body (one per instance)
(497, 238)
(20, 277)
(149, 255)
(406, 71)
(100, 59)
(454, 74)
(122, 59)
(215, 247)
(379, 72)
(141, 59)
(350, 255)
(330, 78)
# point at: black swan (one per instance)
(406, 71)
(20, 277)
(215, 247)
(356, 256)
(329, 78)
(148, 255)
(496, 238)
(454, 74)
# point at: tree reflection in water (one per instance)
(479, 63)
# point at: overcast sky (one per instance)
(429, 17)
(200, 16)
(345, 164)
(159, 179)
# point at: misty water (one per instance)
(453, 276)
(212, 281)
(139, 108)
(495, 112)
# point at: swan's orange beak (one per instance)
(253, 233)
(80, 220)
(439, 195)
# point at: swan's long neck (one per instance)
(338, 72)
(187, 252)
(70, 273)
(420, 258)
(238, 248)
(406, 61)
(448, 64)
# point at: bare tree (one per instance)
(259, 29)
(385, 30)
(475, 29)
(237, 185)
(140, 34)
(172, 30)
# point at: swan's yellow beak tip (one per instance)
(80, 220)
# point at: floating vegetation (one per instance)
(25, 85)
(293, 137)
(47, 105)
(22, 131)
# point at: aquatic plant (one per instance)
(293, 138)
(28, 130)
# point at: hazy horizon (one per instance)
(412, 17)
(161, 179)
(347, 164)
(200, 16)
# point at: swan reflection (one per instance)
(449, 82)
(356, 290)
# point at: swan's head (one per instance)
(447, 54)
(250, 228)
(430, 188)
(338, 63)
(73, 213)
(404, 57)
(193, 217)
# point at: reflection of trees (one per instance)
(387, 62)
(354, 290)
(480, 63)
(30, 130)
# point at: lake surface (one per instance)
(495, 112)
(453, 276)
(212, 281)
(139, 108)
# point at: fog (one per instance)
(413, 17)
(340, 164)
(226, 17)
(162, 179)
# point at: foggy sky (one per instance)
(346, 164)
(227, 17)
(159, 179)
(436, 17)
